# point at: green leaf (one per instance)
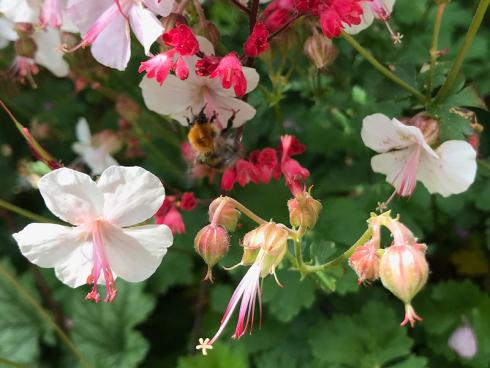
(222, 356)
(371, 338)
(176, 269)
(285, 303)
(105, 334)
(453, 125)
(21, 327)
(467, 97)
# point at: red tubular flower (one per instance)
(173, 219)
(258, 41)
(246, 173)
(188, 201)
(158, 66)
(294, 173)
(182, 39)
(207, 65)
(278, 13)
(267, 164)
(228, 179)
(230, 71)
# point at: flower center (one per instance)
(100, 266)
(407, 176)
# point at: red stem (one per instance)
(241, 7)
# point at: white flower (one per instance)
(181, 99)
(7, 32)
(406, 158)
(463, 342)
(100, 245)
(106, 24)
(96, 156)
(372, 9)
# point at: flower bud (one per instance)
(249, 256)
(320, 50)
(211, 32)
(428, 126)
(365, 262)
(228, 215)
(271, 237)
(304, 210)
(404, 271)
(212, 243)
(25, 47)
(127, 108)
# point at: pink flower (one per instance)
(188, 201)
(51, 14)
(267, 164)
(258, 41)
(173, 219)
(207, 65)
(278, 13)
(228, 179)
(294, 174)
(230, 71)
(245, 172)
(184, 44)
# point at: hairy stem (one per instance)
(259, 220)
(25, 294)
(458, 61)
(434, 50)
(25, 213)
(241, 7)
(382, 69)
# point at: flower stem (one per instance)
(25, 294)
(259, 220)
(458, 61)
(25, 213)
(435, 45)
(9, 363)
(382, 69)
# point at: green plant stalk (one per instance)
(256, 218)
(382, 69)
(9, 363)
(458, 61)
(25, 213)
(63, 337)
(435, 46)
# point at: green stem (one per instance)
(9, 363)
(484, 165)
(458, 61)
(259, 220)
(63, 337)
(25, 213)
(343, 257)
(435, 45)
(382, 69)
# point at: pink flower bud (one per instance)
(212, 243)
(365, 262)
(404, 271)
(320, 50)
(227, 216)
(258, 41)
(304, 210)
(428, 126)
(188, 201)
(25, 47)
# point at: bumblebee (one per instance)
(215, 149)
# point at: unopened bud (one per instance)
(320, 50)
(365, 262)
(404, 271)
(304, 210)
(127, 108)
(428, 126)
(211, 32)
(212, 243)
(271, 237)
(25, 47)
(227, 216)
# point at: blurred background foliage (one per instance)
(157, 323)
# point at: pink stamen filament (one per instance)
(100, 265)
(408, 174)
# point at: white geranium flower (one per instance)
(372, 9)
(181, 99)
(100, 245)
(7, 32)
(463, 342)
(96, 153)
(406, 158)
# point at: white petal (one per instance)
(145, 26)
(225, 106)
(367, 19)
(391, 164)
(453, 172)
(463, 342)
(131, 194)
(383, 134)
(84, 13)
(163, 7)
(205, 45)
(71, 195)
(78, 267)
(19, 11)
(49, 245)
(112, 47)
(7, 31)
(134, 254)
(174, 96)
(48, 53)
(97, 159)
(83, 131)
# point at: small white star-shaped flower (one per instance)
(204, 345)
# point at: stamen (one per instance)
(408, 174)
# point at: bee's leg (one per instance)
(213, 117)
(229, 124)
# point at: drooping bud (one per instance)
(304, 210)
(25, 47)
(320, 50)
(404, 271)
(212, 243)
(228, 215)
(428, 126)
(365, 262)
